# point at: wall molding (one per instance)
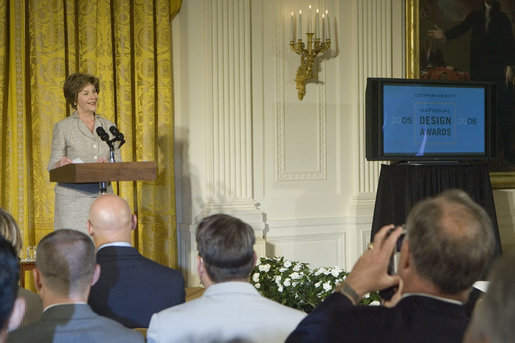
(283, 173)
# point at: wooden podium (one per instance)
(99, 172)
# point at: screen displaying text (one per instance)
(420, 120)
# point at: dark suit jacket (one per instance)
(131, 288)
(414, 319)
(74, 323)
(490, 50)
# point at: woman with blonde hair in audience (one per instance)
(9, 230)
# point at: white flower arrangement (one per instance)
(294, 284)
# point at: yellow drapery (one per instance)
(126, 44)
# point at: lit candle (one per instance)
(317, 29)
(309, 19)
(328, 24)
(323, 27)
(292, 28)
(299, 26)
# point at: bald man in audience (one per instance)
(65, 270)
(131, 287)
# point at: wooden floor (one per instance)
(194, 292)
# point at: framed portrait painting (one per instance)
(469, 40)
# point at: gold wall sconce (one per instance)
(308, 51)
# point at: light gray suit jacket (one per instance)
(226, 311)
(72, 138)
(75, 323)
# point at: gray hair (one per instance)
(226, 244)
(451, 240)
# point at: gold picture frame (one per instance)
(499, 180)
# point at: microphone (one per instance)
(114, 130)
(118, 136)
(103, 134)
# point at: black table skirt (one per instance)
(403, 185)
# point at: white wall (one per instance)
(245, 145)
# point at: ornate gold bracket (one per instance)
(307, 59)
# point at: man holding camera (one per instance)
(447, 247)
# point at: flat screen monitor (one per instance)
(429, 120)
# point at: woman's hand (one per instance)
(63, 161)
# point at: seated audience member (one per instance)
(65, 270)
(131, 288)
(494, 318)
(11, 307)
(230, 309)
(448, 245)
(33, 307)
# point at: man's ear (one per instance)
(405, 256)
(202, 273)
(134, 222)
(17, 313)
(90, 228)
(254, 259)
(200, 266)
(37, 279)
(96, 274)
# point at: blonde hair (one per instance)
(10, 231)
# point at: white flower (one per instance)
(318, 284)
(287, 264)
(257, 285)
(280, 288)
(295, 275)
(327, 287)
(374, 303)
(282, 270)
(255, 277)
(287, 282)
(318, 271)
(264, 267)
(296, 268)
(335, 272)
(278, 279)
(326, 271)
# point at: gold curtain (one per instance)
(127, 44)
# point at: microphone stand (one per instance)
(103, 184)
(118, 137)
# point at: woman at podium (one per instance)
(76, 139)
